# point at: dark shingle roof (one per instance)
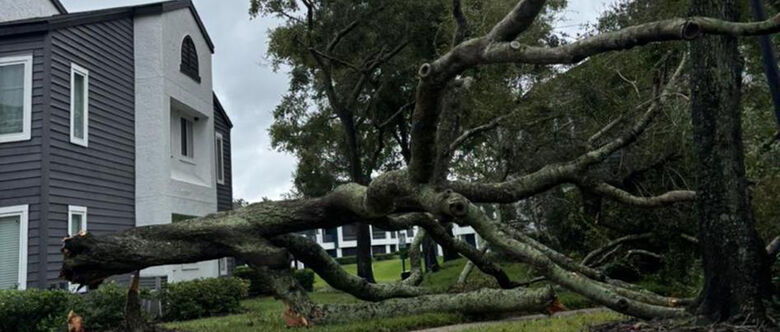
(39, 24)
(221, 110)
(59, 6)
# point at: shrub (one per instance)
(385, 257)
(203, 298)
(47, 310)
(347, 260)
(305, 277)
(35, 310)
(104, 309)
(256, 286)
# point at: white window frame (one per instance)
(189, 138)
(23, 212)
(223, 266)
(78, 70)
(219, 142)
(82, 211)
(25, 135)
(77, 210)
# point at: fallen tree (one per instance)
(417, 196)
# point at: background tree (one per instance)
(419, 195)
(735, 265)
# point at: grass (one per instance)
(264, 314)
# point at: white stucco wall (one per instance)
(167, 184)
(11, 10)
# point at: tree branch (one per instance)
(569, 172)
(628, 238)
(442, 237)
(666, 30)
(462, 30)
(518, 20)
(315, 258)
(622, 196)
(599, 292)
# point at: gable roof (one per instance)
(218, 107)
(59, 6)
(39, 24)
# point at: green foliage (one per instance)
(203, 298)
(305, 278)
(256, 286)
(104, 309)
(47, 310)
(347, 260)
(35, 310)
(263, 314)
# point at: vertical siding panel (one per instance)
(20, 162)
(100, 176)
(222, 126)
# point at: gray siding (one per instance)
(224, 192)
(20, 162)
(101, 176)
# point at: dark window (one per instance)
(189, 59)
(379, 233)
(378, 250)
(186, 138)
(349, 232)
(330, 235)
(346, 252)
(470, 239)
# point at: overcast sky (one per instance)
(249, 89)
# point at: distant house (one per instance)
(108, 121)
(342, 241)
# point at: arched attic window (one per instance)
(189, 59)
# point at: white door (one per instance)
(9, 251)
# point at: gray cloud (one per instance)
(249, 89)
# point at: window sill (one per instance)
(187, 161)
(10, 138)
(81, 143)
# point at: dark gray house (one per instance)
(108, 121)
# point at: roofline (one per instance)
(59, 6)
(41, 24)
(222, 110)
(181, 4)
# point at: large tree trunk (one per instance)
(364, 258)
(734, 261)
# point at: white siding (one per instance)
(20, 9)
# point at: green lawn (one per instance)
(264, 314)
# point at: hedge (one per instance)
(347, 260)
(203, 298)
(37, 310)
(258, 288)
(305, 277)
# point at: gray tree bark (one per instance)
(734, 260)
